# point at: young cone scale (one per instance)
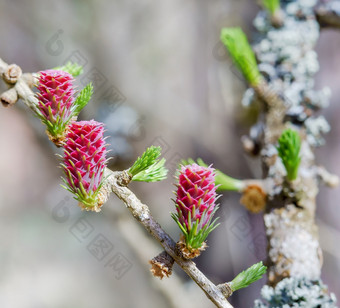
(56, 98)
(84, 162)
(195, 205)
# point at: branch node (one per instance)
(188, 254)
(277, 19)
(331, 180)
(254, 197)
(225, 289)
(124, 178)
(328, 15)
(161, 265)
(9, 97)
(12, 74)
(29, 79)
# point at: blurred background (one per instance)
(161, 77)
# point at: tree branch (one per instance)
(19, 86)
(328, 15)
(143, 245)
(116, 182)
(293, 243)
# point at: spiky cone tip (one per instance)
(161, 265)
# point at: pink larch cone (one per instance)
(84, 162)
(195, 204)
(56, 98)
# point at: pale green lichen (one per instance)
(297, 293)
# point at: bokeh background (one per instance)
(161, 77)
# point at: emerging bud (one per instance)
(148, 167)
(254, 198)
(161, 265)
(84, 162)
(247, 277)
(242, 54)
(222, 181)
(195, 205)
(289, 151)
(56, 97)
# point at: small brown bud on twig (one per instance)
(12, 74)
(277, 19)
(161, 265)
(9, 97)
(254, 198)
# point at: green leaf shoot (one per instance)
(154, 173)
(223, 181)
(289, 152)
(82, 99)
(271, 5)
(72, 68)
(247, 277)
(148, 167)
(241, 53)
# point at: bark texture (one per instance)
(288, 62)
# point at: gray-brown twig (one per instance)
(142, 213)
(328, 15)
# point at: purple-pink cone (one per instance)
(84, 162)
(56, 98)
(195, 203)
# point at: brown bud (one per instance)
(277, 19)
(254, 198)
(9, 97)
(12, 74)
(161, 265)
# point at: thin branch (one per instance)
(142, 244)
(328, 15)
(19, 86)
(116, 182)
(293, 245)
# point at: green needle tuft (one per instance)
(247, 277)
(242, 54)
(148, 167)
(82, 99)
(271, 5)
(72, 68)
(289, 150)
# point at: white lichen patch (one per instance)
(293, 247)
(297, 293)
(288, 62)
(316, 127)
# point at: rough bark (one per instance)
(288, 63)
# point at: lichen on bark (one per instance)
(288, 62)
